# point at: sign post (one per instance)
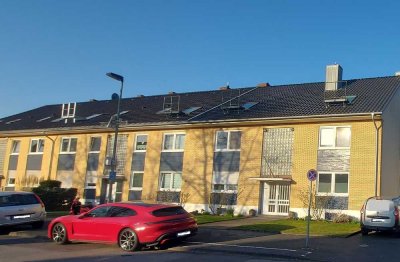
(312, 176)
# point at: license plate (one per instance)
(21, 216)
(185, 233)
(378, 220)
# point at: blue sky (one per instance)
(55, 52)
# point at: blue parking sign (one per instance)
(113, 175)
(312, 174)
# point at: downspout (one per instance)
(376, 151)
(51, 156)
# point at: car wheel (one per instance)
(59, 234)
(128, 240)
(364, 231)
(38, 225)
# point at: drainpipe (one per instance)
(51, 156)
(376, 151)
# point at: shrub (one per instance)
(195, 212)
(230, 211)
(293, 215)
(50, 184)
(53, 196)
(342, 218)
(252, 212)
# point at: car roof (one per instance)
(380, 198)
(143, 205)
(7, 193)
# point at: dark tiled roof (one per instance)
(299, 100)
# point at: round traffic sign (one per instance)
(312, 174)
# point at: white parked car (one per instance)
(21, 208)
(379, 214)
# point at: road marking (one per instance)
(228, 245)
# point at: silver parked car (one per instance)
(21, 208)
(379, 214)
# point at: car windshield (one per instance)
(379, 205)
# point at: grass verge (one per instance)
(317, 228)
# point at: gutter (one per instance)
(376, 150)
(189, 124)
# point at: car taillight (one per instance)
(40, 201)
(396, 216)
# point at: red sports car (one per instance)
(127, 224)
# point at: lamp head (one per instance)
(115, 76)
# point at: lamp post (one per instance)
(114, 154)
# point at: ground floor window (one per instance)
(170, 187)
(11, 181)
(135, 186)
(224, 188)
(170, 181)
(333, 183)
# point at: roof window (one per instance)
(190, 110)
(68, 110)
(13, 121)
(42, 119)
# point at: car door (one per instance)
(102, 224)
(91, 225)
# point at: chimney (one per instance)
(333, 77)
(263, 85)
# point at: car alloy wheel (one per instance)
(59, 234)
(127, 240)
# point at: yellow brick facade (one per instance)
(198, 161)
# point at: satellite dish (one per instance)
(114, 96)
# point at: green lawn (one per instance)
(202, 219)
(317, 228)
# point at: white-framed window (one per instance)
(11, 181)
(170, 181)
(333, 183)
(37, 146)
(334, 137)
(225, 182)
(16, 144)
(95, 144)
(68, 110)
(141, 143)
(228, 140)
(136, 182)
(68, 145)
(174, 142)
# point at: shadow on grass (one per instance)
(272, 228)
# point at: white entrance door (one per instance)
(276, 199)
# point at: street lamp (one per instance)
(113, 171)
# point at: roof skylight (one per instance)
(93, 116)
(42, 119)
(190, 110)
(248, 105)
(13, 121)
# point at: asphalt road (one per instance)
(210, 244)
